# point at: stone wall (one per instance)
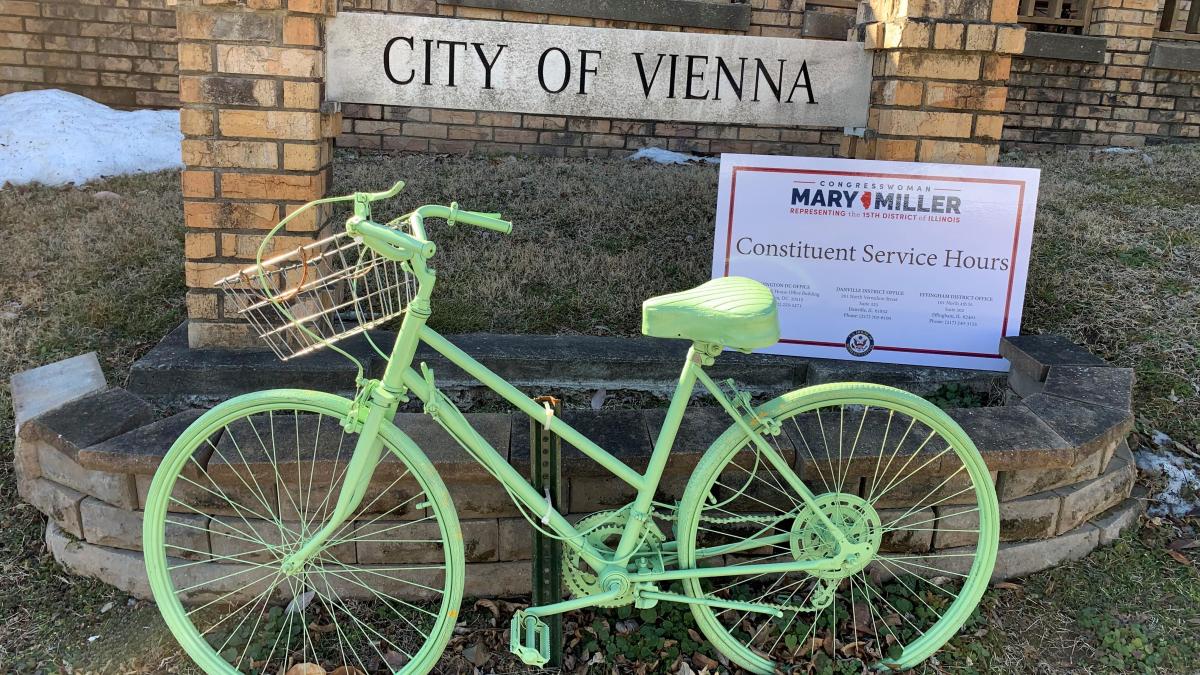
(119, 53)
(1057, 451)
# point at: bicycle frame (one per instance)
(399, 379)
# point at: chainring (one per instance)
(603, 531)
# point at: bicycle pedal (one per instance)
(529, 639)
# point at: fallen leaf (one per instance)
(477, 654)
(1174, 545)
(395, 660)
(1008, 586)
(810, 646)
(1179, 557)
(347, 670)
(489, 605)
(300, 602)
(685, 669)
(306, 669)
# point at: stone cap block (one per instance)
(87, 421)
(1089, 428)
(172, 370)
(546, 362)
(826, 25)
(1043, 45)
(1174, 56)
(537, 363)
(1034, 354)
(1013, 437)
(920, 380)
(39, 390)
(1109, 387)
(139, 451)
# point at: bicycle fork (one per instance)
(357, 478)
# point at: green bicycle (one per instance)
(838, 523)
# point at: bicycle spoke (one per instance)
(339, 614)
(857, 621)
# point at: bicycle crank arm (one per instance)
(710, 602)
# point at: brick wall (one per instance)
(256, 143)
(121, 56)
(126, 57)
(1119, 101)
(398, 128)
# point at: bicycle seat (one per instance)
(733, 312)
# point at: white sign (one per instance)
(890, 262)
(595, 72)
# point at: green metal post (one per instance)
(545, 472)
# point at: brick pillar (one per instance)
(256, 142)
(1136, 112)
(939, 78)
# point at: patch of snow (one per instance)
(671, 157)
(1160, 439)
(1181, 489)
(55, 137)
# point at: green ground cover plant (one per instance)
(1116, 259)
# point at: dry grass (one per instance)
(1116, 259)
(77, 273)
(1116, 267)
(590, 241)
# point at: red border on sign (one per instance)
(937, 352)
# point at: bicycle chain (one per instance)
(728, 520)
(821, 598)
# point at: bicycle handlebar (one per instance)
(452, 214)
(386, 194)
(397, 245)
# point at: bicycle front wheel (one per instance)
(250, 481)
(892, 472)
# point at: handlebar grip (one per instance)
(488, 221)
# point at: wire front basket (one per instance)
(317, 294)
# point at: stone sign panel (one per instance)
(567, 70)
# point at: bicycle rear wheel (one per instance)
(887, 468)
(243, 487)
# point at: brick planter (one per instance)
(1057, 452)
